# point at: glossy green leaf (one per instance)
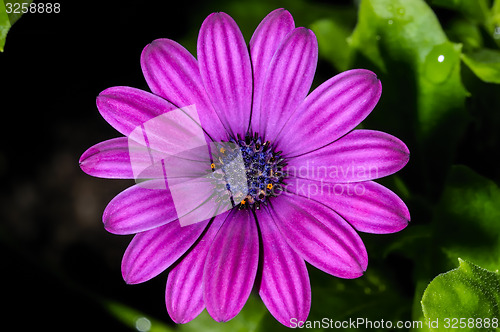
(485, 64)
(467, 219)
(466, 298)
(423, 96)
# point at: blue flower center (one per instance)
(251, 169)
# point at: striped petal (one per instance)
(287, 82)
(368, 206)
(109, 159)
(138, 209)
(172, 73)
(184, 292)
(127, 108)
(151, 252)
(285, 287)
(330, 111)
(359, 156)
(226, 71)
(264, 43)
(320, 236)
(231, 266)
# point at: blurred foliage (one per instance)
(134, 318)
(468, 213)
(485, 64)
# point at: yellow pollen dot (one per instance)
(243, 202)
(222, 150)
(270, 186)
(212, 166)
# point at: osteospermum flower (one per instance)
(307, 173)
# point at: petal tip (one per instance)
(305, 32)
(129, 280)
(130, 276)
(92, 151)
(222, 317)
(217, 16)
(181, 316)
(180, 320)
(87, 160)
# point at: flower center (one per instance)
(251, 169)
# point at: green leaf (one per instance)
(8, 19)
(4, 25)
(469, 293)
(485, 64)
(423, 101)
(467, 219)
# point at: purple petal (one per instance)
(285, 287)
(184, 292)
(173, 73)
(139, 209)
(265, 41)
(151, 252)
(127, 108)
(109, 159)
(231, 266)
(287, 82)
(330, 111)
(367, 206)
(320, 236)
(359, 156)
(226, 71)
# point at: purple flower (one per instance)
(308, 173)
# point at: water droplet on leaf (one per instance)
(439, 63)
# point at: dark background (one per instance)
(57, 262)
